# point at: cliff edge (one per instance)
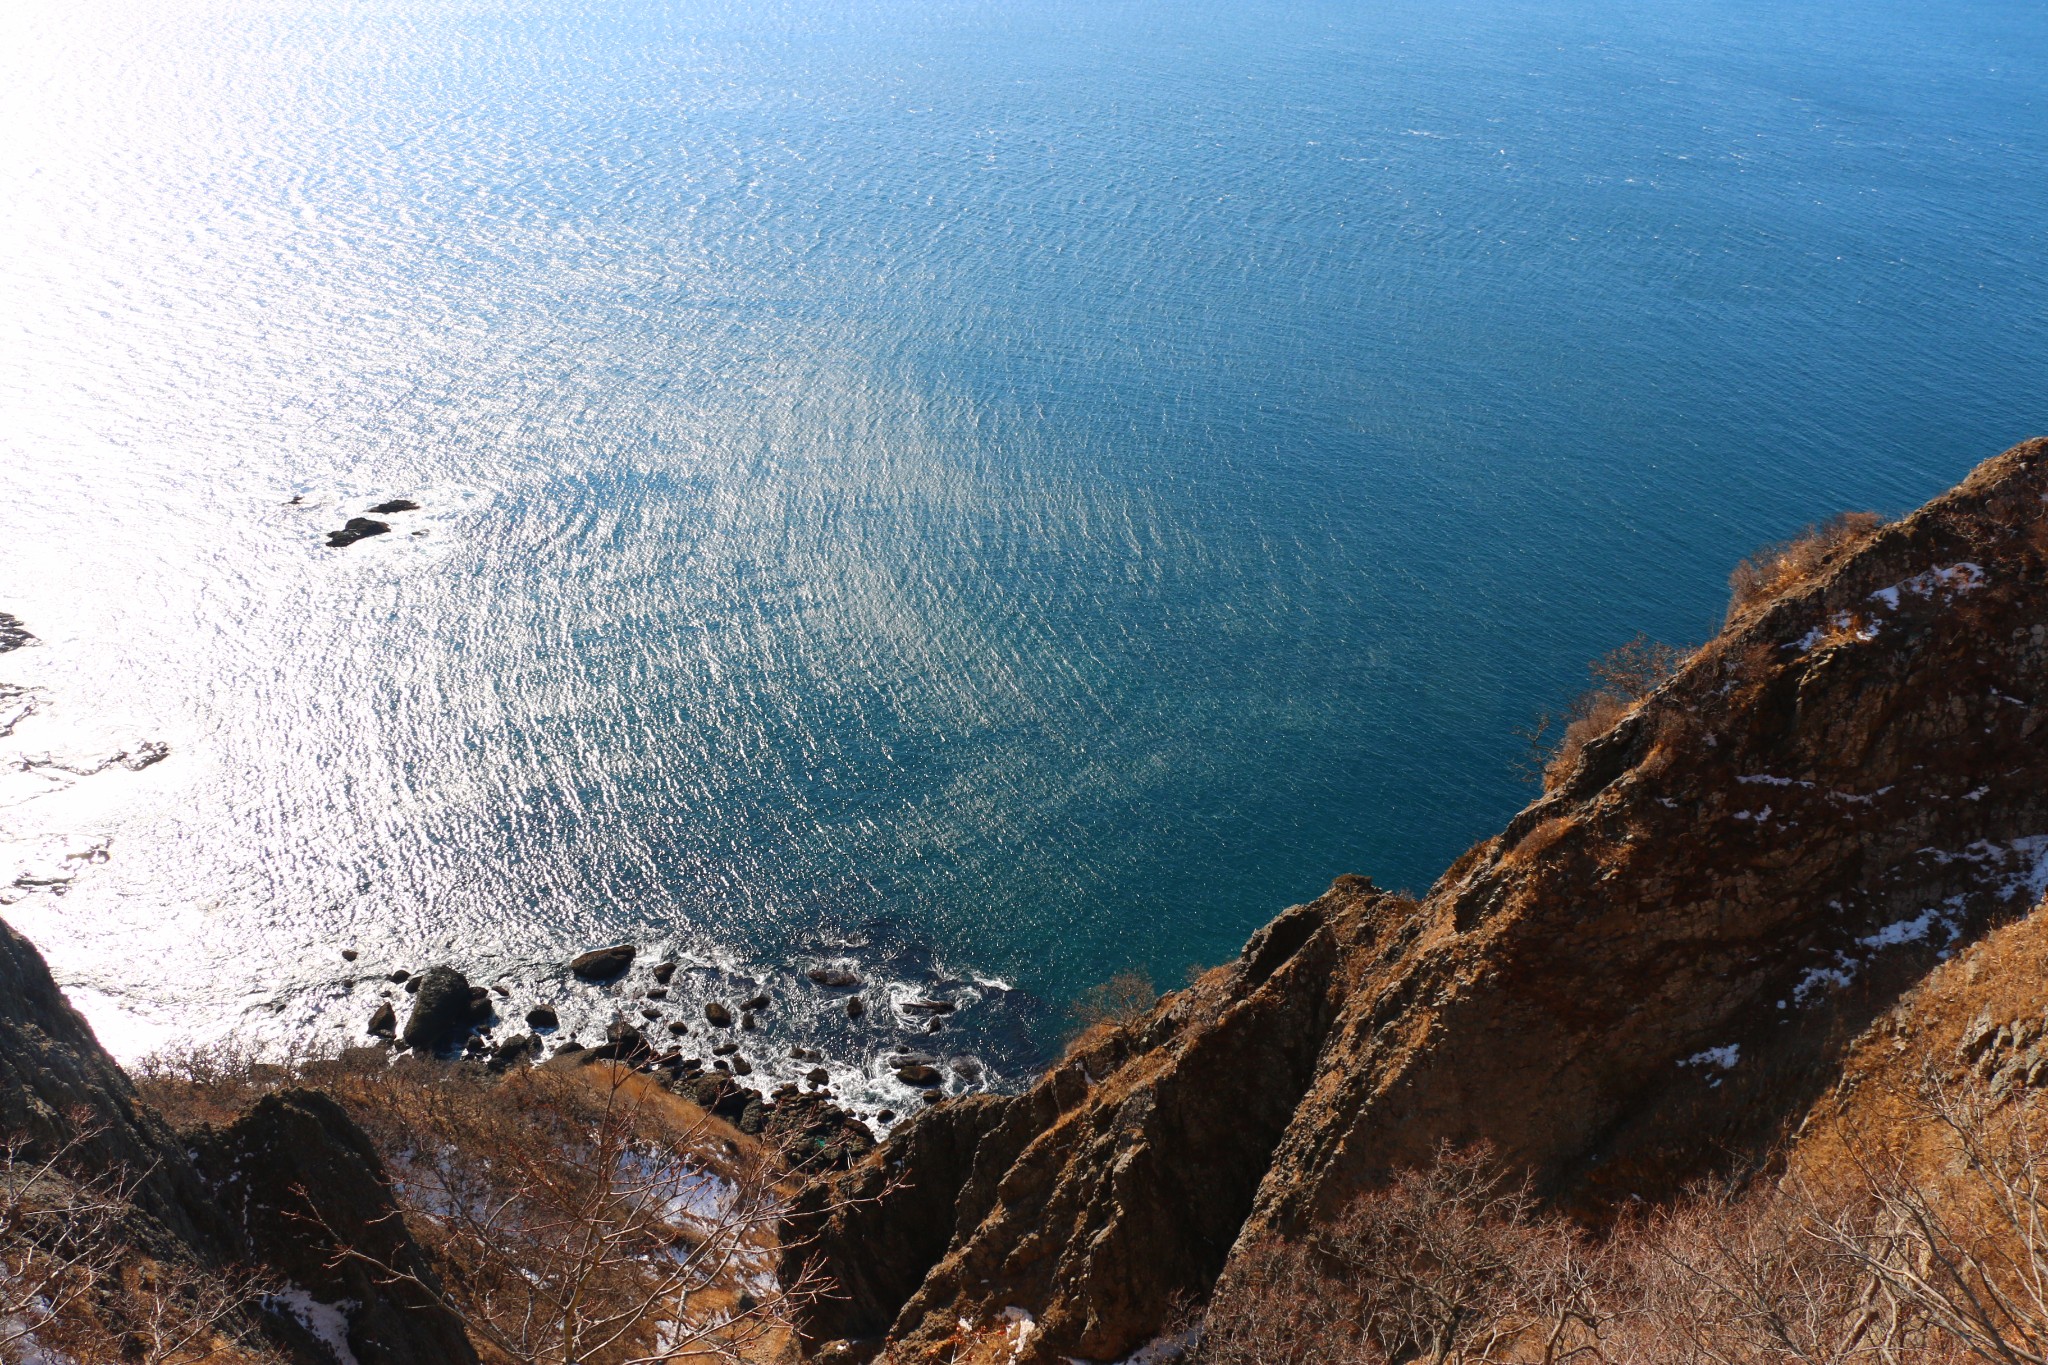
(1656, 971)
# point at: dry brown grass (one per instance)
(1777, 569)
(571, 1213)
(1455, 1264)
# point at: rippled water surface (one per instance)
(979, 491)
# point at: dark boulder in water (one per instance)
(353, 530)
(756, 1002)
(834, 978)
(663, 971)
(718, 1015)
(385, 509)
(604, 964)
(13, 634)
(384, 1021)
(543, 1016)
(441, 1012)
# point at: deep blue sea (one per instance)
(995, 494)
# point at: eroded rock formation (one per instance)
(1654, 971)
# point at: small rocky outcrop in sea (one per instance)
(834, 978)
(355, 529)
(385, 509)
(383, 1021)
(604, 964)
(543, 1016)
(445, 1008)
(13, 634)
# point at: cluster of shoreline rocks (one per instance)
(451, 1017)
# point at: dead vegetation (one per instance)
(1457, 1265)
(1122, 1000)
(1777, 569)
(74, 1285)
(569, 1214)
(1620, 678)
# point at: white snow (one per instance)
(1953, 578)
(328, 1322)
(1907, 930)
(1823, 978)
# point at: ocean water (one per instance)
(993, 494)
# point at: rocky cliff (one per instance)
(276, 1193)
(1656, 970)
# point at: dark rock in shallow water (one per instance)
(657, 992)
(741, 1067)
(604, 964)
(747, 1022)
(384, 1021)
(756, 1002)
(401, 975)
(542, 1016)
(385, 509)
(355, 529)
(514, 1050)
(441, 1012)
(623, 1043)
(480, 1011)
(13, 634)
(928, 1007)
(836, 978)
(718, 1015)
(677, 1026)
(855, 1007)
(348, 955)
(663, 972)
(917, 1073)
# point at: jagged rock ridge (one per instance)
(1654, 971)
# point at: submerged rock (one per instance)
(385, 509)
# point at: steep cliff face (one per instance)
(59, 1088)
(273, 1192)
(1654, 970)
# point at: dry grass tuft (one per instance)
(1777, 569)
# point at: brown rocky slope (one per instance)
(1653, 972)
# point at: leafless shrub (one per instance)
(1963, 1247)
(579, 1218)
(1123, 999)
(1454, 1264)
(1621, 677)
(1778, 568)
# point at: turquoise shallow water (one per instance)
(987, 491)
